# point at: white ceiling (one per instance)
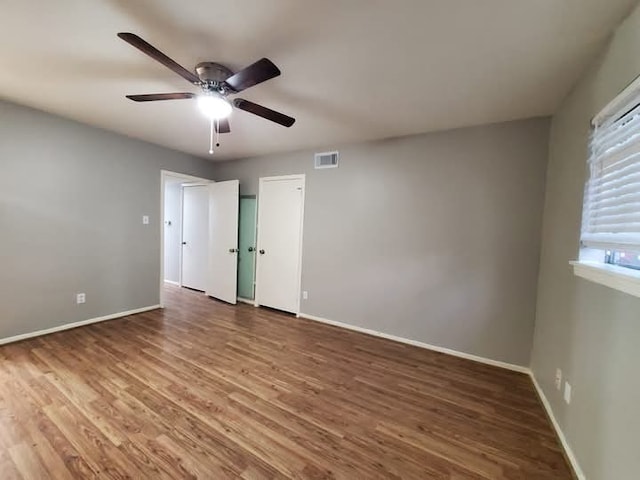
(353, 70)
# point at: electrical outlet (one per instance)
(567, 392)
(558, 379)
(145, 219)
(305, 295)
(81, 298)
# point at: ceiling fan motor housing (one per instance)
(212, 75)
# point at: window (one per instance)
(626, 259)
(611, 215)
(610, 237)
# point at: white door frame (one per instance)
(261, 182)
(164, 174)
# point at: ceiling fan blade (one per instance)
(223, 124)
(264, 112)
(259, 72)
(152, 97)
(157, 55)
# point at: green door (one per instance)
(247, 245)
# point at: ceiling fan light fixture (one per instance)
(214, 106)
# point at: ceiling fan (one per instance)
(217, 83)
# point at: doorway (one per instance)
(279, 262)
(171, 213)
(247, 247)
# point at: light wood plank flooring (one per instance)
(212, 391)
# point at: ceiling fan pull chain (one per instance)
(211, 138)
(217, 132)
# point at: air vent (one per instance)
(326, 160)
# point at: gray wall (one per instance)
(433, 238)
(71, 204)
(588, 330)
(173, 232)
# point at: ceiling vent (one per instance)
(326, 160)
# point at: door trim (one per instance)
(261, 182)
(164, 174)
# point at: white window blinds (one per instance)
(611, 214)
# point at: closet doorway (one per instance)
(247, 247)
(199, 239)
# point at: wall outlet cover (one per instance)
(305, 295)
(145, 219)
(567, 392)
(81, 298)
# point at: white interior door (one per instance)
(224, 198)
(195, 236)
(280, 215)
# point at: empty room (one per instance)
(351, 239)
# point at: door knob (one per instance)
(251, 249)
(261, 252)
(233, 250)
(184, 243)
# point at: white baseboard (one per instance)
(246, 300)
(415, 343)
(81, 323)
(171, 282)
(563, 440)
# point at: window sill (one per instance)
(619, 278)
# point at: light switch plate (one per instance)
(145, 219)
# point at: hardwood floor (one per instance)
(212, 391)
